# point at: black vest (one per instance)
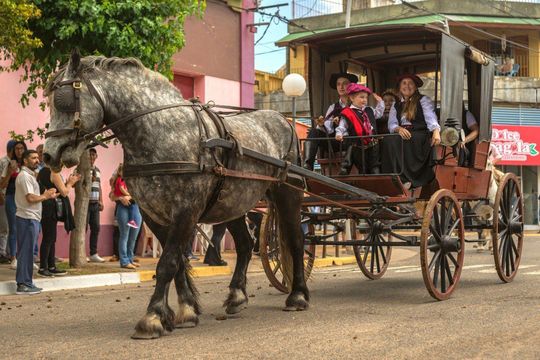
(371, 116)
(419, 121)
(335, 112)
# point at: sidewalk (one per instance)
(110, 273)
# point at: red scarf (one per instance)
(362, 127)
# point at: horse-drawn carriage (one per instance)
(186, 163)
(383, 213)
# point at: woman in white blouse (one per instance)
(413, 118)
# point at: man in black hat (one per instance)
(325, 126)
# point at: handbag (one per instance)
(60, 209)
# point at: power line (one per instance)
(271, 51)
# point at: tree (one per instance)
(15, 36)
(151, 30)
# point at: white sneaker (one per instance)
(36, 267)
(13, 265)
(96, 259)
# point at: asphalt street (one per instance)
(349, 317)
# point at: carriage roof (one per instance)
(386, 50)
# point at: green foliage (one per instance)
(29, 136)
(151, 30)
(15, 35)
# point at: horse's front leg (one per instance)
(243, 243)
(159, 316)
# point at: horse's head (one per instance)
(76, 110)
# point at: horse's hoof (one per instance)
(230, 309)
(236, 301)
(296, 302)
(186, 317)
(140, 335)
(149, 327)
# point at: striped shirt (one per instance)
(96, 184)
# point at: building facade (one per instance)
(199, 71)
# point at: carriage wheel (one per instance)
(507, 232)
(374, 261)
(442, 244)
(271, 255)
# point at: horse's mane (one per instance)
(91, 63)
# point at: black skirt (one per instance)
(417, 166)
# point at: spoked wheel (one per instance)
(507, 232)
(442, 244)
(271, 256)
(374, 259)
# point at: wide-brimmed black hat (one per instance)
(415, 78)
(334, 77)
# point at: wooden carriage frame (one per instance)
(382, 208)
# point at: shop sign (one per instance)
(518, 145)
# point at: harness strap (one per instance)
(162, 168)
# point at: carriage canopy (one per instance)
(383, 52)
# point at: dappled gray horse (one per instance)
(163, 157)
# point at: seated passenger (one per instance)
(325, 126)
(389, 97)
(360, 120)
(413, 118)
(470, 126)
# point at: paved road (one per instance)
(349, 317)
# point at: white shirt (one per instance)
(328, 121)
(26, 183)
(4, 163)
(378, 112)
(429, 115)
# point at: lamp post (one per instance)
(294, 85)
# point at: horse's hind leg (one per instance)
(244, 246)
(288, 204)
(159, 316)
(188, 305)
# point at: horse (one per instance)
(172, 179)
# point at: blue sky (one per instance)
(269, 57)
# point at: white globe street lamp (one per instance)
(294, 85)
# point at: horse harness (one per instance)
(67, 100)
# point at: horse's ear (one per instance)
(74, 62)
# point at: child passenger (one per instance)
(360, 120)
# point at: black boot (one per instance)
(346, 163)
(311, 152)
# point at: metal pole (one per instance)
(348, 14)
(294, 113)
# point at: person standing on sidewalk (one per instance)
(50, 215)
(95, 206)
(28, 200)
(4, 228)
(213, 253)
(9, 175)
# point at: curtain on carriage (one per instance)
(452, 72)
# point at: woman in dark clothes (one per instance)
(49, 218)
(413, 118)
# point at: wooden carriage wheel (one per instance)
(442, 244)
(373, 262)
(270, 252)
(507, 232)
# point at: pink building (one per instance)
(199, 70)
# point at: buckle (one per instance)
(77, 85)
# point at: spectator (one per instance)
(50, 216)
(9, 175)
(127, 210)
(213, 253)
(41, 164)
(95, 206)
(4, 163)
(28, 215)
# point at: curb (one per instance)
(75, 282)
(202, 271)
(334, 261)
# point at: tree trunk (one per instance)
(77, 250)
